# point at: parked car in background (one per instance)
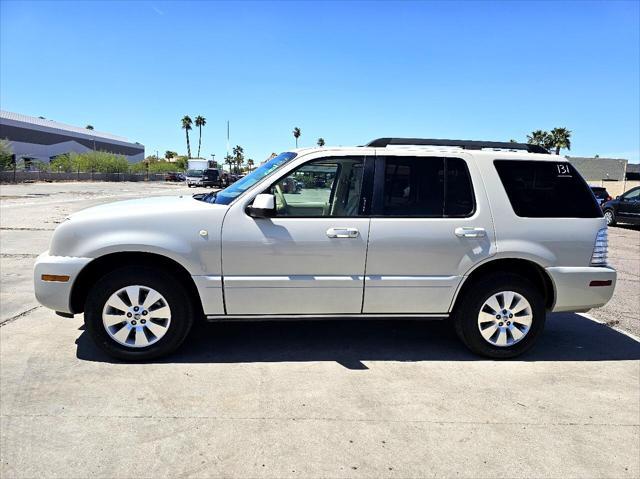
(488, 235)
(211, 178)
(194, 178)
(624, 209)
(601, 194)
(173, 176)
(290, 185)
(195, 171)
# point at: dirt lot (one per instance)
(317, 399)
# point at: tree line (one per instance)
(100, 161)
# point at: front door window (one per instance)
(328, 187)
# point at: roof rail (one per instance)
(465, 144)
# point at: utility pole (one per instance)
(227, 137)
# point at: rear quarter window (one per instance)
(546, 189)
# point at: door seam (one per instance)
(364, 276)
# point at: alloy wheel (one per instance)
(505, 318)
(608, 215)
(136, 316)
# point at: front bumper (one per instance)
(575, 288)
(56, 295)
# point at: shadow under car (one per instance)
(567, 337)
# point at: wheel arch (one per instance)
(523, 267)
(102, 265)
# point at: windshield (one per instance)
(229, 194)
(194, 172)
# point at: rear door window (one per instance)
(414, 187)
(458, 198)
(546, 189)
(428, 187)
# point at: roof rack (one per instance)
(465, 144)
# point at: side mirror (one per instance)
(264, 206)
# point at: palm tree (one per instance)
(250, 163)
(186, 126)
(228, 160)
(296, 134)
(89, 127)
(560, 139)
(200, 122)
(541, 138)
(320, 142)
(238, 155)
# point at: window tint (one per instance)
(418, 186)
(327, 187)
(458, 191)
(414, 186)
(545, 189)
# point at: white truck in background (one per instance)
(195, 170)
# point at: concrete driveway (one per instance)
(316, 399)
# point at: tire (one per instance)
(507, 340)
(610, 216)
(164, 325)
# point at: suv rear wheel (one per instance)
(501, 316)
(138, 313)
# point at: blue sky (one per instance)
(345, 71)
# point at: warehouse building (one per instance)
(617, 175)
(39, 139)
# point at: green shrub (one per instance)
(5, 155)
(96, 161)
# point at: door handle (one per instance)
(342, 233)
(470, 232)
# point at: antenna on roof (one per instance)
(464, 144)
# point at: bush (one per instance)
(5, 155)
(96, 161)
(63, 163)
(92, 161)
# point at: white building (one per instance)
(40, 139)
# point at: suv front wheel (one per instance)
(138, 313)
(500, 316)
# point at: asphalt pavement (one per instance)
(382, 398)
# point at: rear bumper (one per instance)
(575, 290)
(56, 295)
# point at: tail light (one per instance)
(601, 248)
(608, 198)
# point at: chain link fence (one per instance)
(10, 176)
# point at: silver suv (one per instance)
(489, 235)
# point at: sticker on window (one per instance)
(563, 170)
